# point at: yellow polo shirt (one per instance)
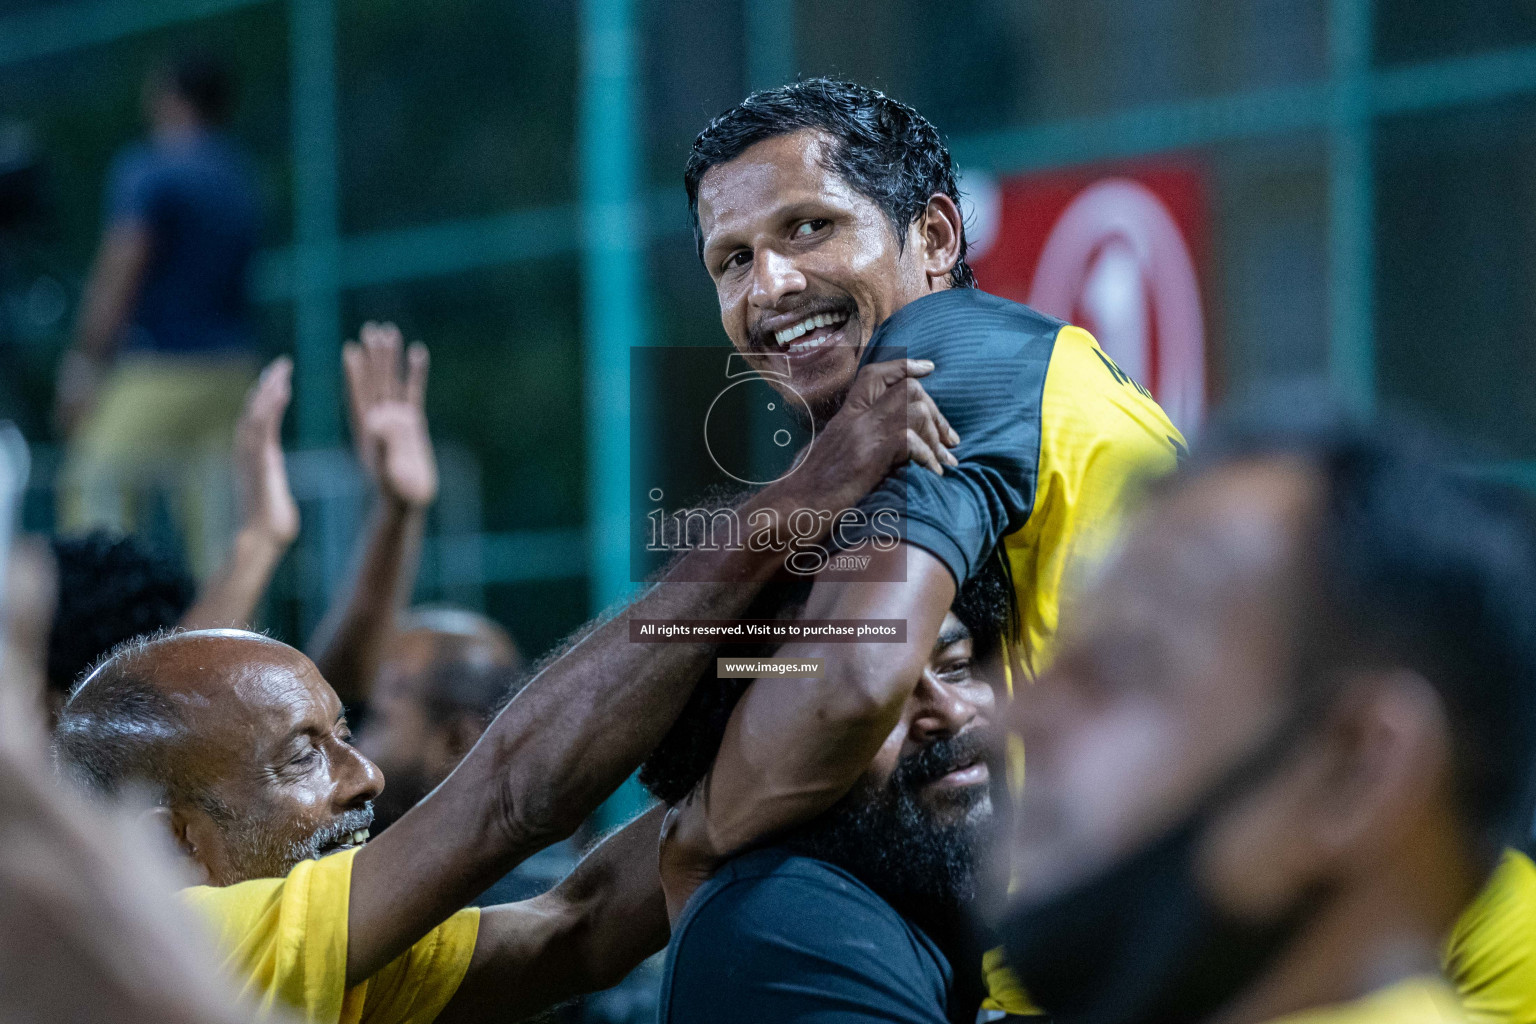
(1417, 1000)
(284, 941)
(1492, 953)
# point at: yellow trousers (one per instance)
(162, 424)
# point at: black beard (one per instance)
(824, 408)
(1139, 941)
(885, 837)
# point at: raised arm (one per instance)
(269, 518)
(584, 723)
(389, 429)
(584, 935)
(109, 295)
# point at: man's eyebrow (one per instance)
(310, 730)
(797, 209)
(952, 635)
(718, 240)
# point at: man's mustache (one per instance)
(339, 828)
(943, 756)
(761, 338)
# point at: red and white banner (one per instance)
(1117, 253)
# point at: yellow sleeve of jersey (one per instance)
(1492, 953)
(1101, 436)
(284, 940)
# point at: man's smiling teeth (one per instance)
(352, 839)
(789, 334)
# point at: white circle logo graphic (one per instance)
(752, 404)
(1116, 264)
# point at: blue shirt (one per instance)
(775, 938)
(197, 199)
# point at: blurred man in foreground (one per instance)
(1284, 745)
(88, 927)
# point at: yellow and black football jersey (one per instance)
(1053, 436)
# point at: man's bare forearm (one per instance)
(585, 722)
(111, 289)
(573, 734)
(795, 746)
(230, 596)
(584, 935)
(348, 644)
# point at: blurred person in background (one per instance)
(165, 346)
(112, 587)
(115, 587)
(445, 673)
(1285, 743)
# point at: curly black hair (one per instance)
(884, 150)
(111, 588)
(985, 605)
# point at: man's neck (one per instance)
(1356, 945)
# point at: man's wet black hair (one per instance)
(884, 150)
(111, 588)
(206, 82)
(984, 605)
(1413, 564)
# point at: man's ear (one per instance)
(1372, 782)
(174, 825)
(940, 229)
(1392, 766)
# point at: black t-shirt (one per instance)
(990, 360)
(775, 937)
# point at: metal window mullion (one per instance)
(316, 316)
(770, 42)
(1351, 206)
(613, 232)
(613, 307)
